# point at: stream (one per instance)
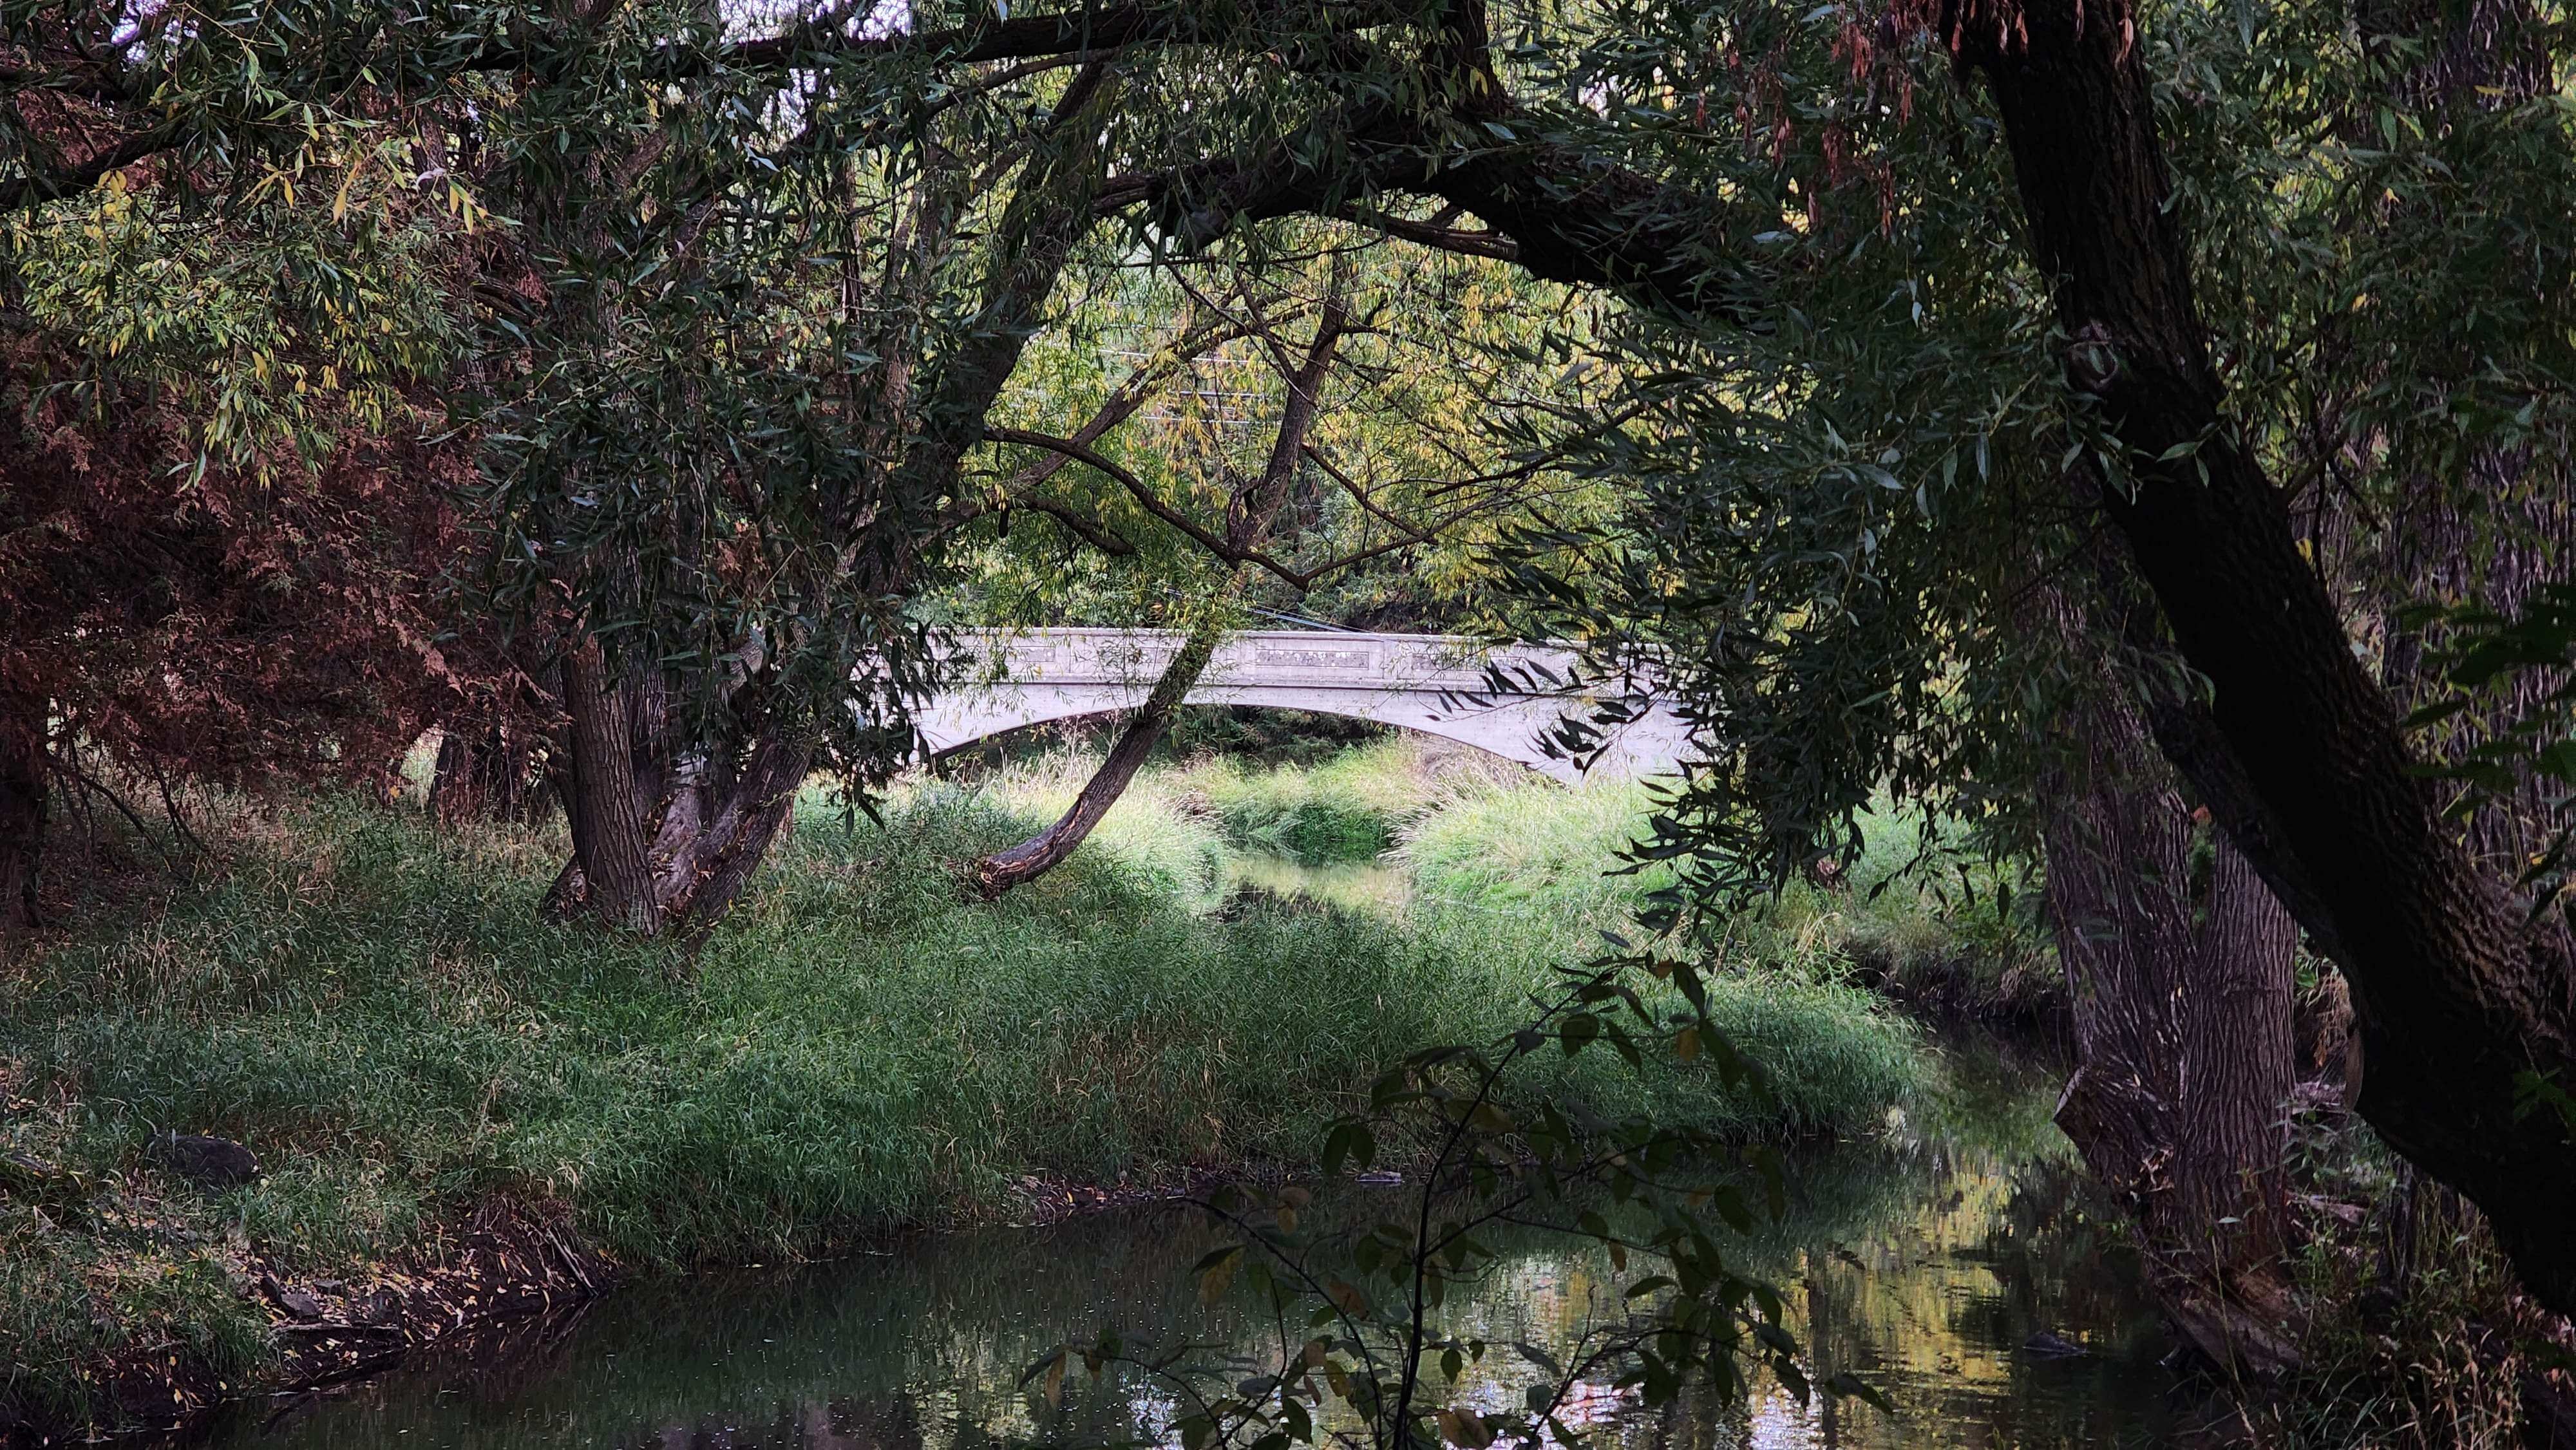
(1925, 1260)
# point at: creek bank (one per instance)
(470, 1292)
(464, 1285)
(1921, 1259)
(508, 1261)
(2024, 1000)
(483, 1289)
(371, 1008)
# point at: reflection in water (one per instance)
(1922, 1263)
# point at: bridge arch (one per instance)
(1434, 684)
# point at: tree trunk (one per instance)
(2179, 962)
(23, 811)
(1249, 515)
(2238, 1070)
(1137, 738)
(704, 855)
(612, 802)
(483, 775)
(666, 831)
(2485, 533)
(2301, 757)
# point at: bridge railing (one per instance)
(1314, 658)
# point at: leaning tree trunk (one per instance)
(1137, 738)
(1249, 515)
(22, 829)
(2182, 982)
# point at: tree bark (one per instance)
(611, 802)
(1143, 730)
(2238, 1070)
(730, 826)
(24, 807)
(664, 835)
(2457, 1005)
(2179, 963)
(2433, 548)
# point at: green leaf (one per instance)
(1578, 1031)
(1216, 1272)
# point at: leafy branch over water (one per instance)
(1362, 1353)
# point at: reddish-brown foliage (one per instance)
(221, 627)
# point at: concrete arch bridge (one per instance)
(1436, 684)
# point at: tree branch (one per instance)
(1360, 496)
(1098, 535)
(1447, 239)
(1150, 501)
(1122, 404)
(38, 187)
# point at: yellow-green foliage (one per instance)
(278, 323)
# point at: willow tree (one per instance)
(736, 401)
(1960, 436)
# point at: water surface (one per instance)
(1923, 1262)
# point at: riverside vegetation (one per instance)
(367, 1004)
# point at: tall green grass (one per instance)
(1531, 871)
(1920, 922)
(1350, 807)
(1537, 850)
(377, 1011)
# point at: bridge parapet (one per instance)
(1437, 684)
(1453, 663)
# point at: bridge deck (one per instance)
(1438, 684)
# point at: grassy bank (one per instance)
(1932, 938)
(375, 1010)
(1350, 807)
